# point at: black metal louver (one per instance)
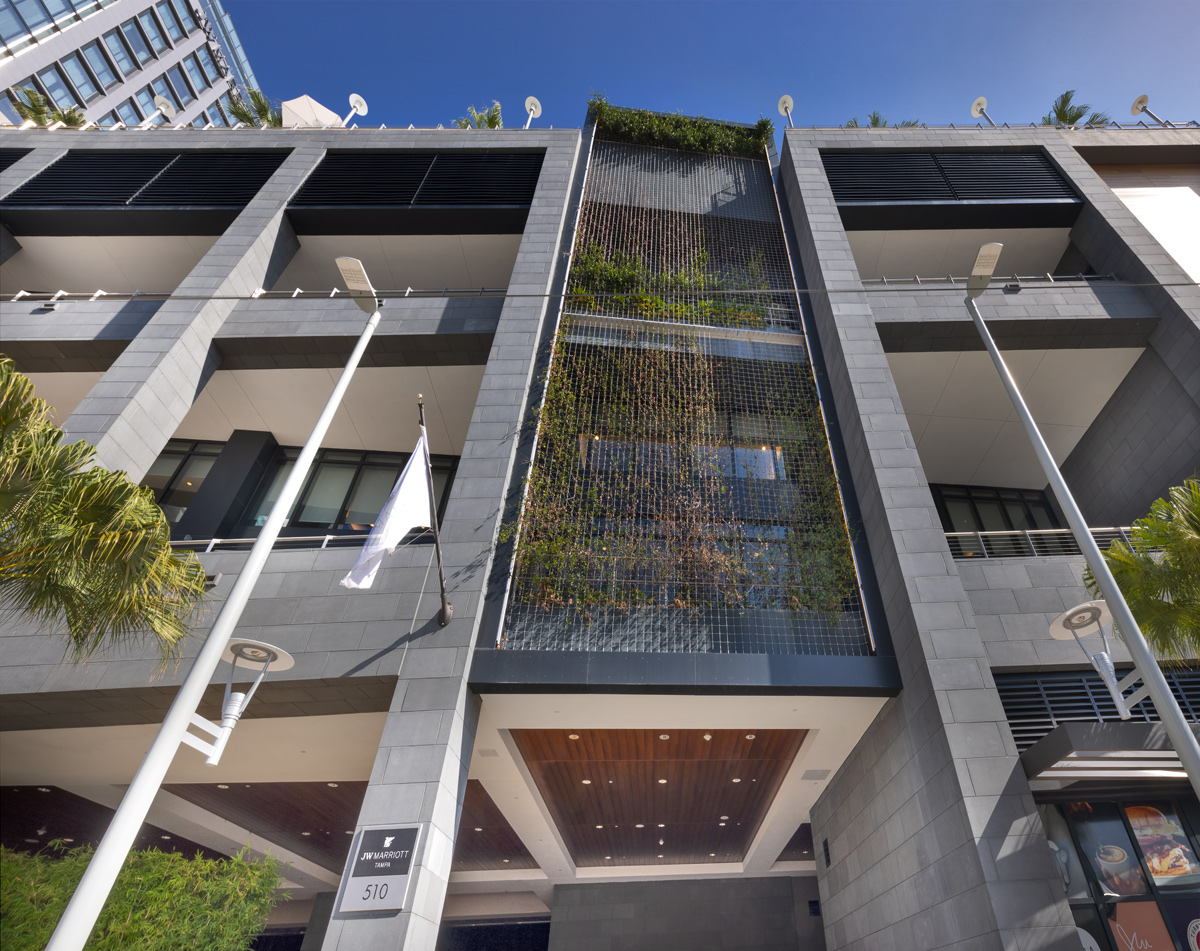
(885, 176)
(211, 179)
(493, 179)
(1036, 703)
(1003, 176)
(8, 156)
(364, 178)
(87, 178)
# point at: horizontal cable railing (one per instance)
(52, 298)
(295, 542)
(1027, 544)
(1011, 283)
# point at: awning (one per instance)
(1110, 752)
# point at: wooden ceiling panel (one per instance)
(800, 845)
(614, 794)
(485, 839)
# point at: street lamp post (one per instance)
(1177, 728)
(76, 924)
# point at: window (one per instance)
(200, 121)
(186, 16)
(145, 100)
(216, 116)
(11, 26)
(972, 508)
(162, 88)
(196, 73)
(108, 120)
(153, 33)
(178, 473)
(169, 20)
(346, 490)
(133, 36)
(33, 13)
(73, 66)
(738, 462)
(183, 91)
(120, 52)
(128, 113)
(57, 88)
(100, 65)
(204, 54)
(59, 8)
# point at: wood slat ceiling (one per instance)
(485, 839)
(606, 791)
(314, 820)
(800, 846)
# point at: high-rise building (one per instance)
(752, 566)
(109, 59)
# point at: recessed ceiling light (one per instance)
(349, 832)
(331, 785)
(708, 736)
(661, 842)
(720, 823)
(660, 856)
(749, 736)
(478, 828)
(306, 833)
(724, 817)
(43, 789)
(640, 825)
(587, 782)
(712, 855)
(737, 780)
(164, 837)
(662, 825)
(664, 736)
(505, 861)
(662, 782)
(599, 827)
(222, 785)
(610, 782)
(608, 856)
(68, 840)
(572, 736)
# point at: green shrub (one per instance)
(161, 901)
(676, 131)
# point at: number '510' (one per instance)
(375, 891)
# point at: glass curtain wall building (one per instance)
(108, 59)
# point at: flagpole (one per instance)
(79, 918)
(447, 607)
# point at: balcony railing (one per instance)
(285, 543)
(1031, 544)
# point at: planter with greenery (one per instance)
(162, 901)
(676, 131)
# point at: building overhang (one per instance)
(1105, 752)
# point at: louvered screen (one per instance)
(396, 179)
(1036, 703)
(140, 179)
(493, 179)
(908, 177)
(91, 178)
(8, 156)
(365, 178)
(211, 179)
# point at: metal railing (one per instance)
(1015, 282)
(1030, 544)
(294, 543)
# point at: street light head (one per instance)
(1080, 620)
(533, 107)
(1139, 105)
(983, 269)
(256, 654)
(359, 285)
(165, 106)
(358, 105)
(785, 105)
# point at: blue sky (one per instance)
(425, 62)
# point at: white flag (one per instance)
(409, 506)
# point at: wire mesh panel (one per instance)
(682, 496)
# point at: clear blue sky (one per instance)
(425, 62)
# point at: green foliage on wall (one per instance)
(640, 495)
(676, 131)
(162, 901)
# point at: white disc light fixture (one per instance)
(785, 108)
(162, 107)
(1142, 104)
(533, 108)
(358, 107)
(979, 108)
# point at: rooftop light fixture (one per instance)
(1142, 104)
(358, 107)
(534, 108)
(1079, 618)
(979, 108)
(785, 109)
(1096, 614)
(163, 108)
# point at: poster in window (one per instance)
(1107, 846)
(1139, 926)
(1184, 914)
(1164, 845)
(1062, 850)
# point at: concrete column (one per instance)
(933, 835)
(135, 408)
(420, 771)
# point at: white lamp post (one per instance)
(533, 108)
(1156, 686)
(84, 908)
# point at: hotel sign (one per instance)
(379, 869)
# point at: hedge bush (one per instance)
(677, 131)
(162, 901)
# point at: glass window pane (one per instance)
(185, 485)
(145, 98)
(60, 95)
(167, 16)
(182, 91)
(1043, 515)
(73, 66)
(184, 9)
(120, 52)
(162, 89)
(33, 13)
(100, 66)
(158, 476)
(6, 107)
(216, 116)
(755, 463)
(11, 27)
(195, 73)
(153, 33)
(370, 493)
(1066, 859)
(1163, 844)
(265, 503)
(210, 65)
(1018, 515)
(1105, 843)
(962, 516)
(991, 515)
(107, 120)
(58, 8)
(133, 36)
(128, 113)
(327, 489)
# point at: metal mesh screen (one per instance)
(682, 497)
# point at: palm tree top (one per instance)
(1065, 111)
(488, 119)
(255, 108)
(875, 120)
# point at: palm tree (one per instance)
(31, 104)
(488, 119)
(260, 111)
(1159, 572)
(1066, 112)
(876, 121)
(82, 549)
